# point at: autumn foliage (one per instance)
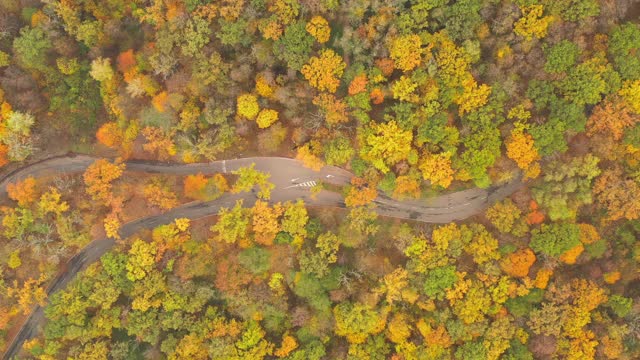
(247, 106)
(23, 192)
(110, 134)
(99, 178)
(521, 149)
(437, 169)
(306, 155)
(406, 52)
(616, 193)
(126, 61)
(324, 72)
(358, 84)
(360, 193)
(266, 118)
(335, 110)
(517, 264)
(611, 118)
(319, 28)
(159, 194)
(524, 114)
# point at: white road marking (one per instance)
(304, 184)
(224, 166)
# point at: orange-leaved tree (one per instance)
(517, 264)
(324, 72)
(159, 142)
(265, 222)
(521, 149)
(407, 186)
(333, 109)
(360, 193)
(358, 84)
(158, 193)
(617, 193)
(110, 134)
(99, 178)
(24, 192)
(611, 118)
(160, 101)
(126, 61)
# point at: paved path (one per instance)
(291, 180)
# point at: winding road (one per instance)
(291, 179)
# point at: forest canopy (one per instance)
(524, 114)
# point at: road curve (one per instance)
(291, 180)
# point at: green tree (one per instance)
(438, 280)
(555, 238)
(471, 350)
(31, 48)
(561, 56)
(294, 46)
(482, 150)
(587, 82)
(567, 186)
(620, 305)
(255, 259)
(624, 49)
(338, 151)
(462, 19)
(309, 288)
(318, 262)
(549, 137)
(195, 34)
(233, 32)
(573, 10)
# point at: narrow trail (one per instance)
(291, 180)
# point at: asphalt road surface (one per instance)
(292, 181)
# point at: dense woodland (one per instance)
(416, 98)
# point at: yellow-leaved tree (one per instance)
(473, 96)
(385, 144)
(406, 52)
(324, 72)
(437, 169)
(248, 106)
(319, 28)
(521, 149)
(266, 118)
(532, 23)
